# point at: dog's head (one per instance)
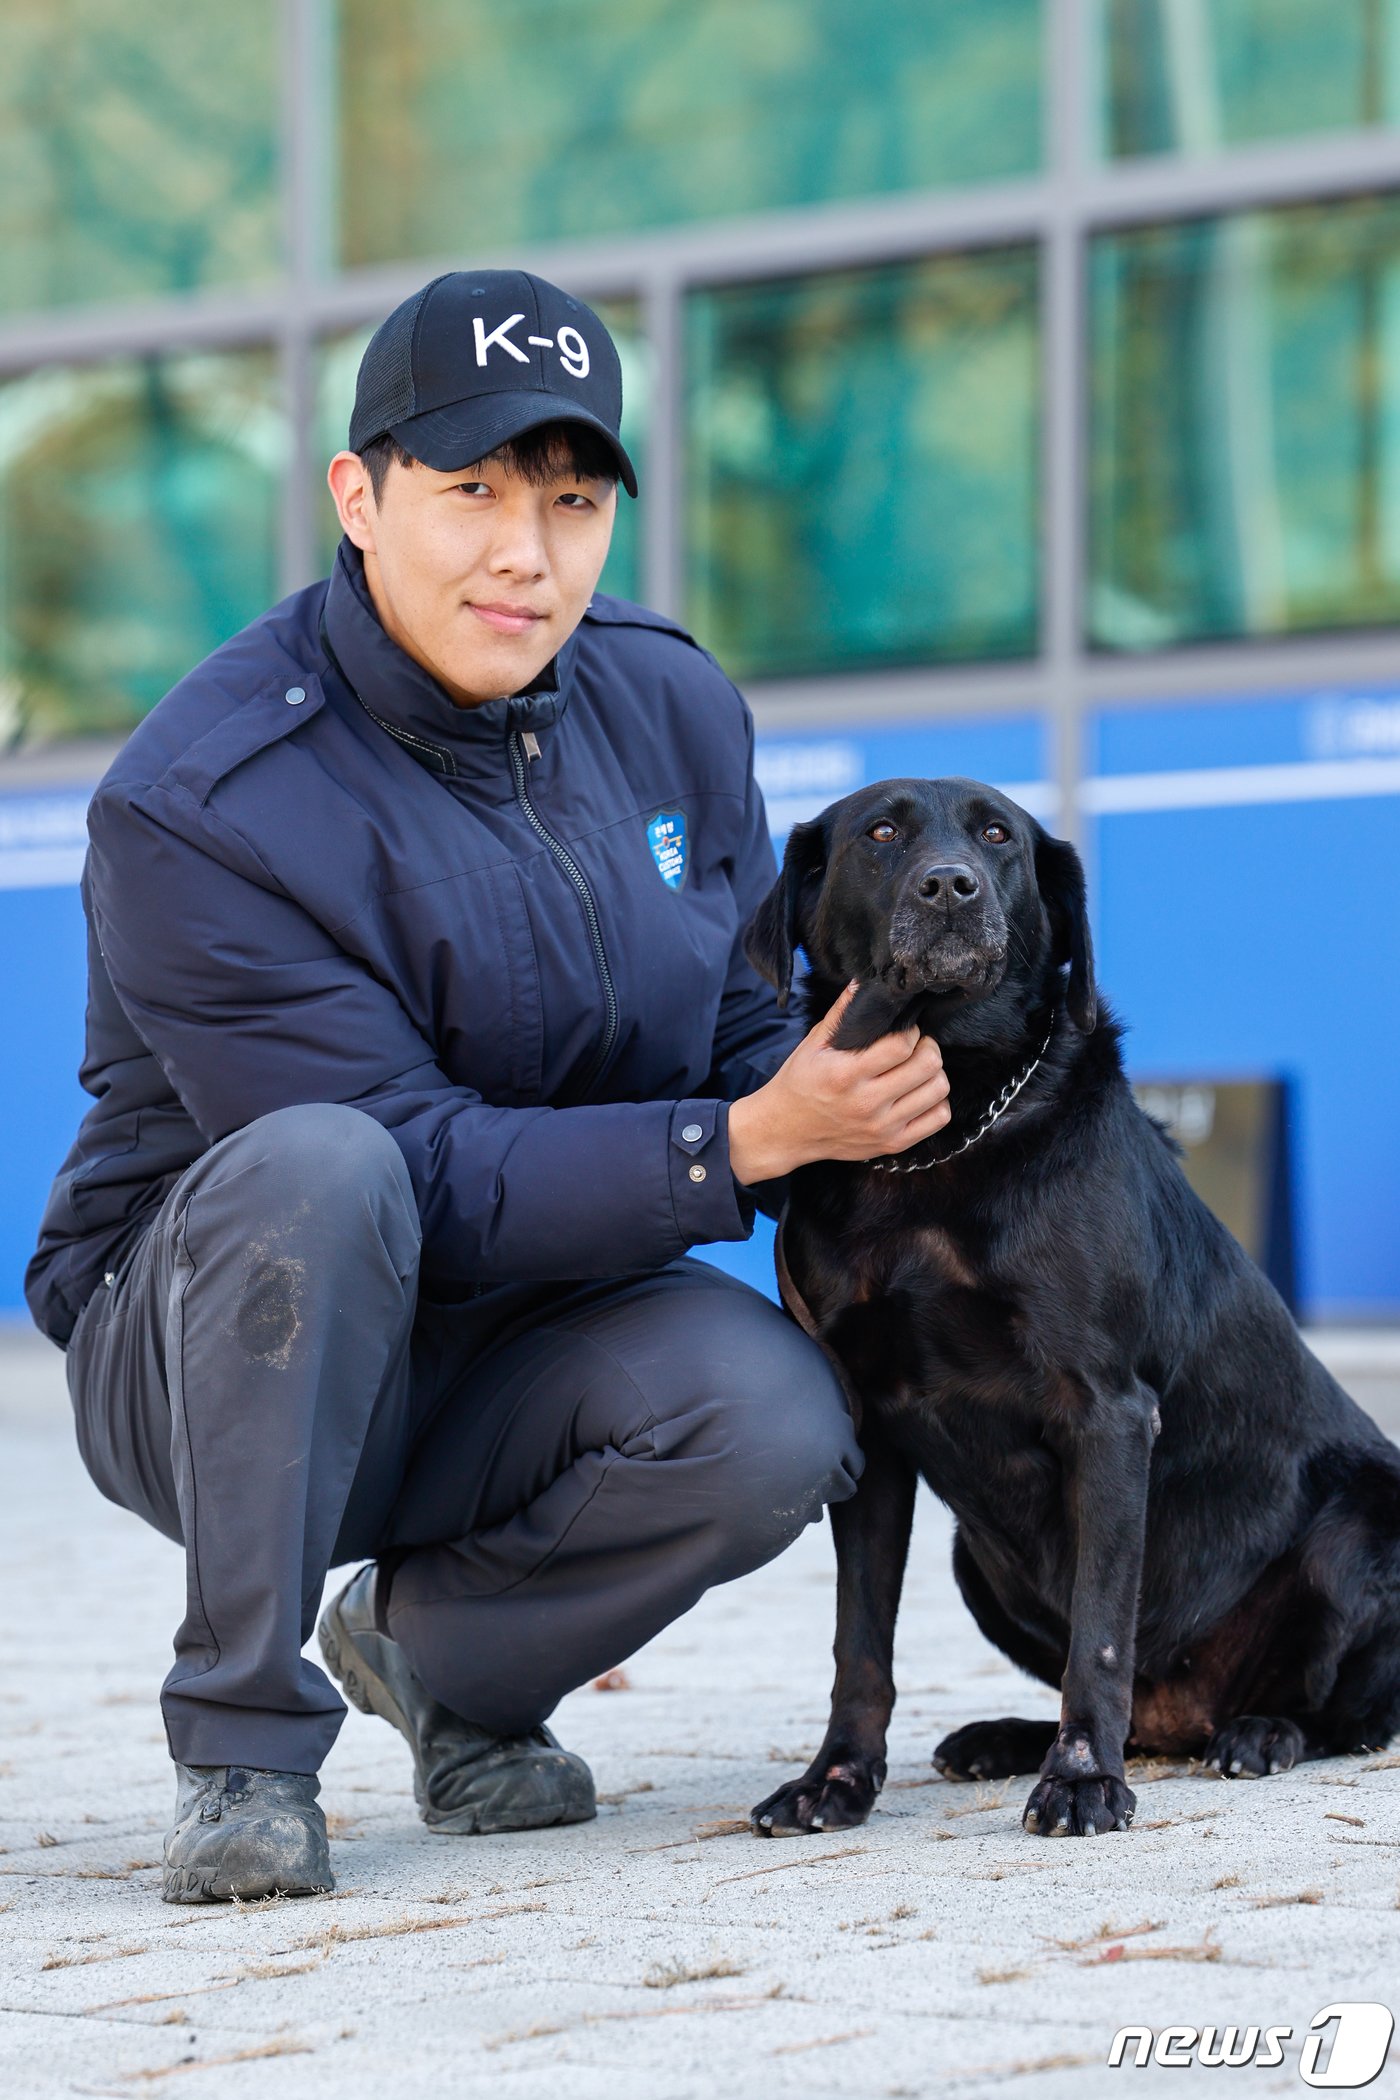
(945, 892)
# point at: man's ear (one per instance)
(1059, 873)
(775, 930)
(348, 480)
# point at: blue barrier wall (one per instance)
(42, 953)
(1244, 862)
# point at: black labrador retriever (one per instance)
(1165, 1506)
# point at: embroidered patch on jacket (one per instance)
(670, 845)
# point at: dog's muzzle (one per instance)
(930, 952)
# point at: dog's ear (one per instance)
(1059, 872)
(775, 930)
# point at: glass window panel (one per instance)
(1194, 75)
(340, 361)
(477, 123)
(138, 148)
(1246, 425)
(862, 473)
(138, 529)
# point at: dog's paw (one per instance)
(1253, 1745)
(872, 1014)
(994, 1749)
(833, 1797)
(1078, 1807)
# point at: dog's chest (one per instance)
(941, 1350)
(937, 1256)
(919, 1320)
(927, 1259)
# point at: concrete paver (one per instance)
(661, 1951)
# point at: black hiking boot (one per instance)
(241, 1833)
(466, 1781)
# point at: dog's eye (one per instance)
(995, 834)
(882, 832)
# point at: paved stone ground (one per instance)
(660, 1952)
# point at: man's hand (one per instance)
(839, 1104)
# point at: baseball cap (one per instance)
(481, 356)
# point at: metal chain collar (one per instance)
(896, 1163)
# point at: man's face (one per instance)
(477, 575)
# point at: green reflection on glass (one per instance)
(862, 474)
(464, 121)
(138, 505)
(138, 148)
(1194, 75)
(335, 393)
(1246, 425)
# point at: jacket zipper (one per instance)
(519, 742)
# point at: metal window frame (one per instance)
(1058, 210)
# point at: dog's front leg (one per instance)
(872, 1529)
(1081, 1790)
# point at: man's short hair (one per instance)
(549, 452)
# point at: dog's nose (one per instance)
(951, 883)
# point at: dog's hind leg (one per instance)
(1364, 1710)
(1037, 1650)
(1355, 1548)
(1316, 1644)
(995, 1749)
(872, 1530)
(1254, 1744)
(1345, 1671)
(998, 1749)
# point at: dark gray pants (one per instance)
(552, 1473)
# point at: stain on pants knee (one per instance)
(268, 1318)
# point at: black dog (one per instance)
(1165, 1506)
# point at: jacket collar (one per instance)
(408, 702)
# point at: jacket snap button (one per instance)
(295, 695)
(697, 1173)
(692, 1133)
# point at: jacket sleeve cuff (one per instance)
(709, 1203)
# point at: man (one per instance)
(423, 1047)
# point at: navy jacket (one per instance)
(313, 878)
